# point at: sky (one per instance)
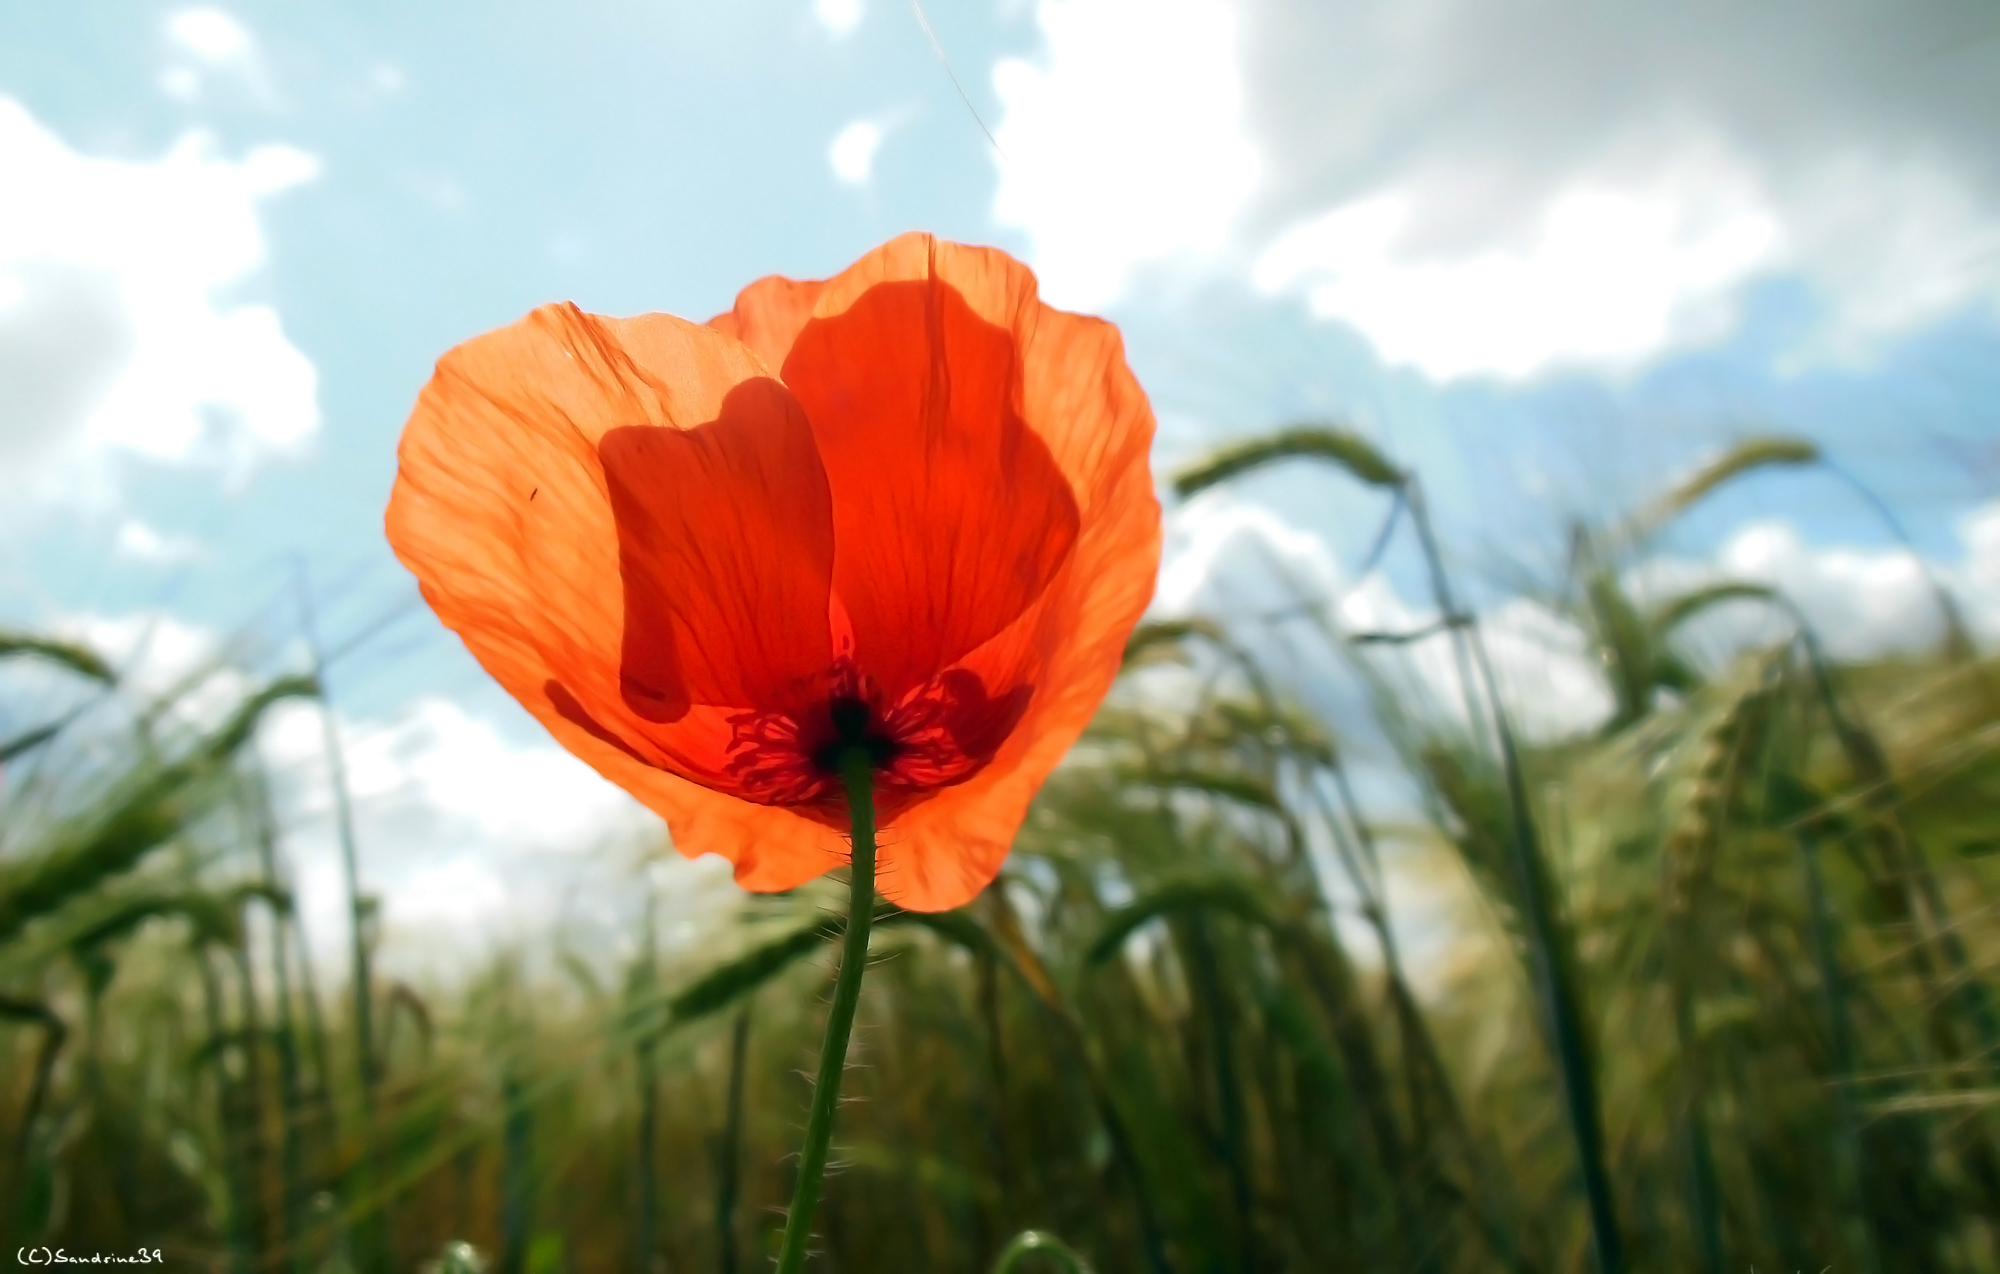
(1551, 255)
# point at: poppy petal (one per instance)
(974, 522)
(941, 853)
(725, 549)
(566, 472)
(768, 314)
(1078, 397)
(950, 514)
(770, 848)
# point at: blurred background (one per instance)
(1551, 815)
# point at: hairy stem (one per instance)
(857, 770)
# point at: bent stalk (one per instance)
(1555, 981)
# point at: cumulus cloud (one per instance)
(140, 542)
(120, 330)
(1978, 577)
(212, 36)
(1488, 190)
(1861, 602)
(207, 44)
(852, 154)
(1222, 554)
(1124, 143)
(1235, 561)
(1610, 274)
(163, 661)
(839, 17)
(471, 838)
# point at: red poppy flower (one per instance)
(906, 508)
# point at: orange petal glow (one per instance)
(725, 539)
(768, 315)
(941, 517)
(950, 516)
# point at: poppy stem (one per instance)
(857, 769)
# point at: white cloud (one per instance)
(1894, 243)
(839, 17)
(1608, 275)
(1124, 144)
(853, 151)
(212, 36)
(175, 669)
(1861, 602)
(209, 42)
(1223, 555)
(1551, 684)
(152, 649)
(1978, 577)
(1548, 677)
(1488, 190)
(459, 898)
(471, 838)
(536, 793)
(139, 542)
(1233, 561)
(119, 328)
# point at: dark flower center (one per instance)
(854, 726)
(935, 735)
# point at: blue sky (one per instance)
(1552, 256)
